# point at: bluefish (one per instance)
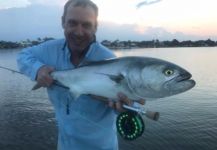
(136, 77)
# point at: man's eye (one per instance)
(72, 23)
(87, 25)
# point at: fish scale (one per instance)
(136, 77)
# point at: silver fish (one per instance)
(136, 77)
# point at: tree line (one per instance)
(157, 44)
(23, 44)
(117, 44)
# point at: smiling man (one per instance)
(85, 123)
(80, 24)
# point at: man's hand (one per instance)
(118, 105)
(43, 76)
(123, 99)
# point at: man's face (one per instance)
(79, 27)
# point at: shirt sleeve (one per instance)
(29, 60)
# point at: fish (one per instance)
(136, 77)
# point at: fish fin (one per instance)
(116, 78)
(57, 83)
(86, 63)
(96, 62)
(75, 96)
(75, 91)
(36, 86)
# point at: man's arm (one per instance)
(31, 62)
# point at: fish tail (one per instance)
(36, 86)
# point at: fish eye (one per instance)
(168, 72)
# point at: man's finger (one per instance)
(124, 99)
(119, 106)
(111, 104)
(142, 101)
(101, 98)
(50, 69)
(43, 76)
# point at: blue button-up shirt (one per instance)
(84, 123)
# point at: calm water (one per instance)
(188, 121)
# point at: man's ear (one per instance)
(63, 22)
(96, 25)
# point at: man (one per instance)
(85, 123)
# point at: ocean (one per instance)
(188, 121)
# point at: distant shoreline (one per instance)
(114, 45)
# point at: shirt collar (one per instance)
(64, 45)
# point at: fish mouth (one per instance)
(183, 77)
(180, 83)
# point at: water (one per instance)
(187, 121)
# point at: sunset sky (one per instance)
(118, 19)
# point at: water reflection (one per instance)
(188, 120)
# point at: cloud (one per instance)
(147, 2)
(42, 21)
(112, 31)
(30, 22)
(48, 2)
(6, 4)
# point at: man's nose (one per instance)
(79, 30)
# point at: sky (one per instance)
(118, 19)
